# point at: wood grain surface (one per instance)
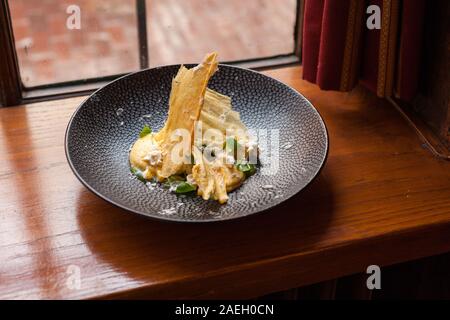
(381, 199)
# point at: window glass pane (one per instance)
(179, 31)
(49, 52)
(184, 30)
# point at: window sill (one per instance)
(78, 88)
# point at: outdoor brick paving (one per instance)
(178, 31)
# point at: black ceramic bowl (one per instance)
(102, 130)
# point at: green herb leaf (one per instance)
(145, 131)
(231, 146)
(173, 181)
(175, 178)
(247, 168)
(234, 148)
(185, 187)
(138, 173)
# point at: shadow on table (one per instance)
(153, 250)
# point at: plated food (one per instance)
(203, 147)
(108, 123)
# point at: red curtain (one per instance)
(339, 50)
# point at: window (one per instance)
(49, 52)
(238, 30)
(55, 55)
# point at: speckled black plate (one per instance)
(104, 127)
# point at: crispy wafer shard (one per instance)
(217, 113)
(193, 142)
(185, 105)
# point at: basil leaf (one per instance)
(173, 181)
(185, 187)
(138, 173)
(145, 131)
(231, 146)
(175, 178)
(247, 168)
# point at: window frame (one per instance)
(13, 92)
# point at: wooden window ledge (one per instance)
(381, 199)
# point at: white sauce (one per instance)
(190, 179)
(229, 159)
(252, 144)
(154, 156)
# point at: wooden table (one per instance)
(381, 199)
